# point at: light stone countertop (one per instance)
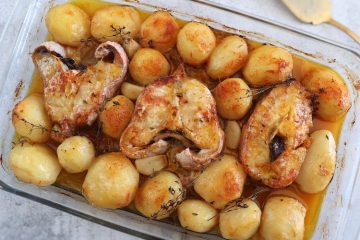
(21, 218)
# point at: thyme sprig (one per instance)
(171, 205)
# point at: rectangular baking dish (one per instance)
(26, 29)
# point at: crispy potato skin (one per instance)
(159, 31)
(156, 191)
(228, 57)
(222, 181)
(283, 218)
(111, 182)
(34, 163)
(148, 65)
(68, 24)
(233, 98)
(195, 42)
(268, 65)
(116, 116)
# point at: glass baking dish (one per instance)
(26, 29)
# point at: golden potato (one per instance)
(164, 188)
(116, 116)
(268, 65)
(148, 65)
(282, 218)
(131, 91)
(197, 215)
(34, 163)
(114, 23)
(240, 223)
(221, 182)
(76, 154)
(333, 97)
(31, 120)
(159, 31)
(111, 182)
(195, 42)
(232, 134)
(150, 165)
(227, 58)
(319, 165)
(233, 98)
(68, 24)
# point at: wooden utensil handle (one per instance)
(345, 29)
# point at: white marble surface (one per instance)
(24, 219)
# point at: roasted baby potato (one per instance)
(268, 65)
(116, 116)
(30, 119)
(157, 192)
(150, 165)
(227, 58)
(332, 96)
(319, 165)
(197, 215)
(195, 42)
(68, 24)
(221, 182)
(233, 98)
(282, 218)
(34, 163)
(148, 65)
(111, 182)
(76, 154)
(115, 23)
(159, 31)
(232, 134)
(240, 222)
(131, 91)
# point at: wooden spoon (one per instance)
(315, 12)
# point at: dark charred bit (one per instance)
(72, 65)
(290, 80)
(150, 44)
(277, 146)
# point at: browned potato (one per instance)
(221, 182)
(148, 65)
(232, 134)
(116, 116)
(195, 42)
(159, 31)
(333, 97)
(30, 119)
(197, 215)
(111, 182)
(283, 218)
(227, 58)
(34, 163)
(150, 165)
(233, 98)
(68, 24)
(268, 65)
(107, 22)
(131, 91)
(165, 187)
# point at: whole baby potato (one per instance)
(148, 65)
(158, 191)
(34, 163)
(240, 223)
(283, 218)
(197, 215)
(195, 42)
(159, 31)
(68, 24)
(76, 154)
(221, 182)
(111, 182)
(227, 58)
(116, 116)
(233, 98)
(332, 95)
(30, 119)
(268, 65)
(319, 164)
(115, 23)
